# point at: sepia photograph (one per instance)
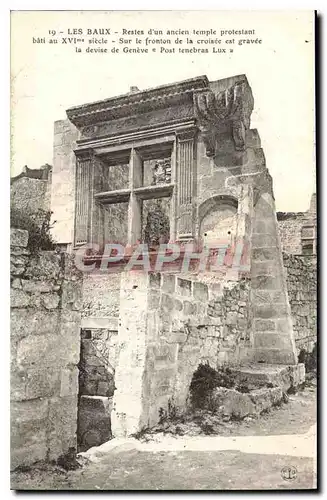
(163, 251)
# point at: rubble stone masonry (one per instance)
(45, 343)
(302, 292)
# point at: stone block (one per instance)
(261, 254)
(49, 350)
(154, 300)
(45, 266)
(184, 287)
(167, 303)
(200, 291)
(275, 356)
(24, 322)
(28, 455)
(189, 308)
(28, 431)
(231, 318)
(69, 382)
(168, 283)
(16, 283)
(39, 286)
(268, 311)
(272, 340)
(155, 280)
(34, 383)
(264, 268)
(18, 237)
(18, 298)
(263, 240)
(264, 325)
(266, 282)
(50, 300)
(62, 426)
(261, 399)
(231, 403)
(276, 395)
(71, 297)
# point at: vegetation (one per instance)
(38, 226)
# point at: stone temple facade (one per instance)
(177, 163)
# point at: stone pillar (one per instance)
(128, 414)
(96, 209)
(185, 185)
(84, 195)
(273, 339)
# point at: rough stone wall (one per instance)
(45, 344)
(301, 275)
(168, 326)
(290, 232)
(101, 294)
(30, 195)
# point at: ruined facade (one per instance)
(298, 230)
(178, 163)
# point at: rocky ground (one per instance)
(199, 454)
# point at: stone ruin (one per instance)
(175, 163)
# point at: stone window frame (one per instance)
(134, 194)
(307, 241)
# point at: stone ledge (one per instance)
(257, 376)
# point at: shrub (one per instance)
(205, 379)
(309, 359)
(38, 226)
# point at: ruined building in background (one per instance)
(176, 163)
(298, 230)
(30, 191)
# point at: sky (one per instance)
(48, 79)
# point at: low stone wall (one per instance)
(302, 293)
(168, 326)
(45, 345)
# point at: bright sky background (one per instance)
(46, 80)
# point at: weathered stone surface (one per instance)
(184, 287)
(71, 295)
(34, 383)
(62, 426)
(18, 237)
(261, 399)
(16, 283)
(168, 283)
(200, 291)
(18, 298)
(24, 323)
(46, 350)
(231, 402)
(69, 382)
(302, 293)
(39, 286)
(45, 266)
(50, 300)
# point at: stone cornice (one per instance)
(228, 109)
(136, 102)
